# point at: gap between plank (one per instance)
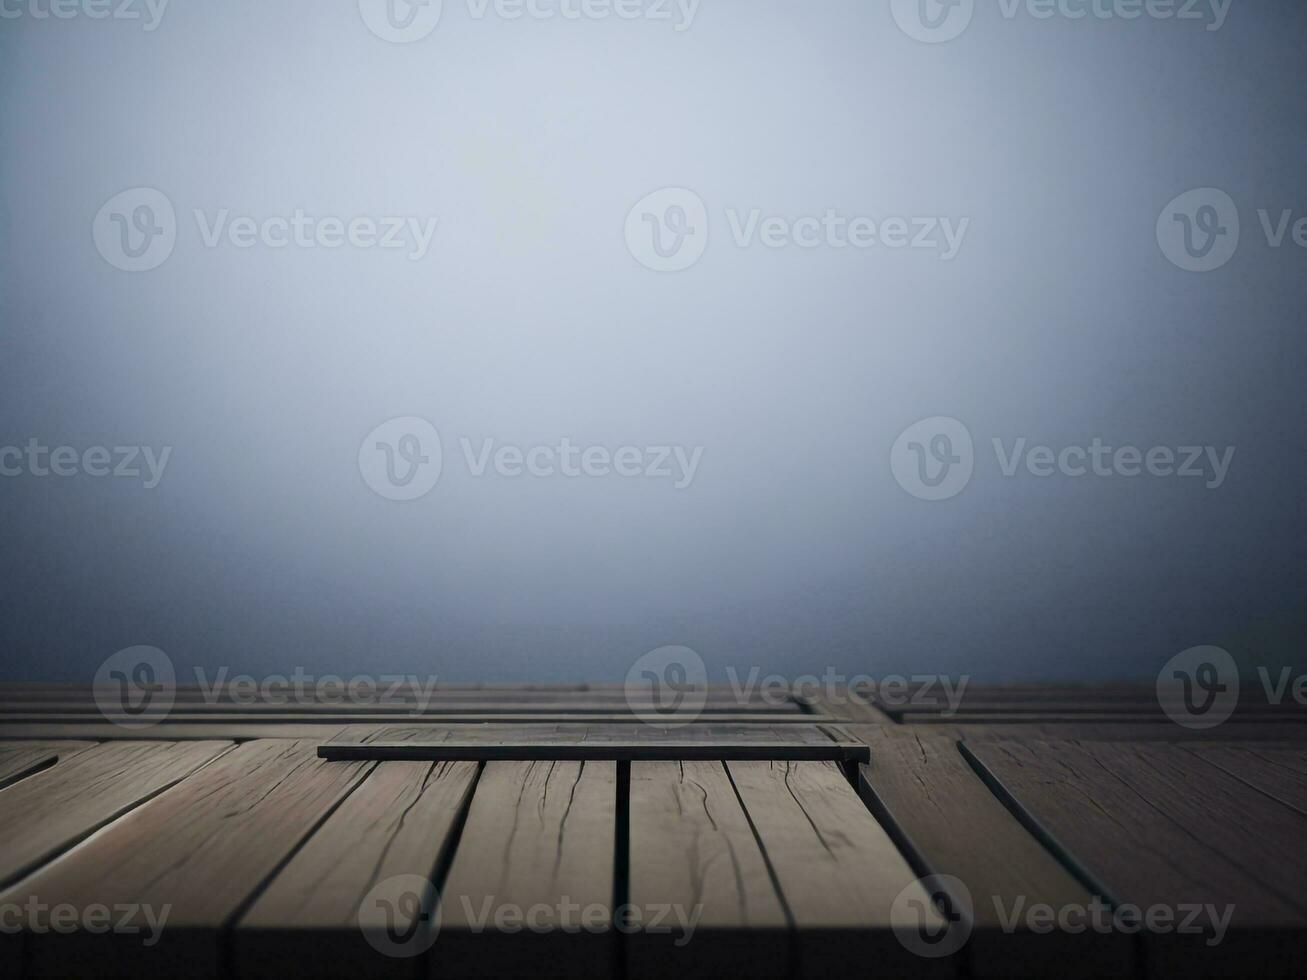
(622, 861)
(1037, 830)
(445, 861)
(792, 946)
(17, 879)
(31, 770)
(227, 929)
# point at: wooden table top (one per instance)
(573, 832)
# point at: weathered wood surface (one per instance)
(199, 850)
(1160, 828)
(539, 846)
(555, 733)
(269, 857)
(949, 823)
(55, 808)
(838, 871)
(400, 821)
(20, 759)
(693, 849)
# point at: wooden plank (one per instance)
(715, 698)
(837, 870)
(846, 707)
(1240, 717)
(1118, 731)
(237, 727)
(1258, 709)
(21, 759)
(93, 721)
(199, 852)
(52, 810)
(931, 692)
(539, 836)
(693, 850)
(616, 751)
(413, 709)
(1278, 772)
(1154, 826)
(939, 811)
(511, 732)
(401, 821)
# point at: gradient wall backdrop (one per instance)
(532, 318)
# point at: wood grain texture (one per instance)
(167, 731)
(517, 733)
(692, 850)
(941, 811)
(21, 759)
(539, 836)
(838, 872)
(234, 716)
(199, 850)
(54, 809)
(399, 821)
(1279, 772)
(394, 689)
(1161, 828)
(402, 709)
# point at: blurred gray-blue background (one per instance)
(530, 319)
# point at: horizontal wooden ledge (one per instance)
(597, 752)
(182, 718)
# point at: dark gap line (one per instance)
(39, 766)
(792, 939)
(1059, 851)
(445, 861)
(622, 865)
(1204, 761)
(1037, 830)
(227, 929)
(18, 878)
(915, 857)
